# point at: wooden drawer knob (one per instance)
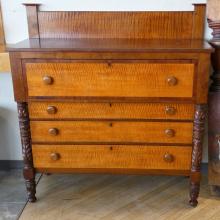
(48, 80)
(169, 158)
(54, 156)
(53, 131)
(170, 110)
(172, 81)
(170, 132)
(51, 110)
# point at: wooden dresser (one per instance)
(112, 92)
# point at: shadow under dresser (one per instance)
(112, 92)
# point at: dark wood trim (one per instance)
(112, 99)
(111, 143)
(17, 75)
(111, 119)
(198, 134)
(32, 15)
(199, 21)
(28, 170)
(112, 45)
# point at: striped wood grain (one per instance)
(111, 131)
(145, 25)
(128, 157)
(38, 110)
(115, 80)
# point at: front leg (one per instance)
(28, 171)
(198, 134)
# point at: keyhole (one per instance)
(111, 148)
(109, 64)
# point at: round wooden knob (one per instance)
(172, 81)
(169, 158)
(53, 131)
(51, 110)
(170, 110)
(48, 80)
(55, 156)
(170, 132)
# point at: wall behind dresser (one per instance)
(15, 24)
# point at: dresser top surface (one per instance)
(111, 45)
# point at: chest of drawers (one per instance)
(111, 105)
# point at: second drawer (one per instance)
(111, 132)
(68, 110)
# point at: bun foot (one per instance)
(193, 203)
(32, 199)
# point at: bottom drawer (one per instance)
(116, 156)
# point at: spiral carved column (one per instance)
(28, 170)
(198, 134)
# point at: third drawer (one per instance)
(111, 132)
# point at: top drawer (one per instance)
(102, 79)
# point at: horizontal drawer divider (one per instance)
(111, 143)
(112, 99)
(110, 120)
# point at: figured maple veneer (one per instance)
(60, 110)
(111, 131)
(102, 79)
(117, 156)
(112, 92)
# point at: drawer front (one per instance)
(115, 80)
(115, 131)
(103, 156)
(59, 110)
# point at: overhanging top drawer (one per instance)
(103, 79)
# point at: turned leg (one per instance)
(28, 171)
(198, 133)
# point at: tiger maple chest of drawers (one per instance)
(112, 99)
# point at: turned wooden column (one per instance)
(28, 170)
(214, 99)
